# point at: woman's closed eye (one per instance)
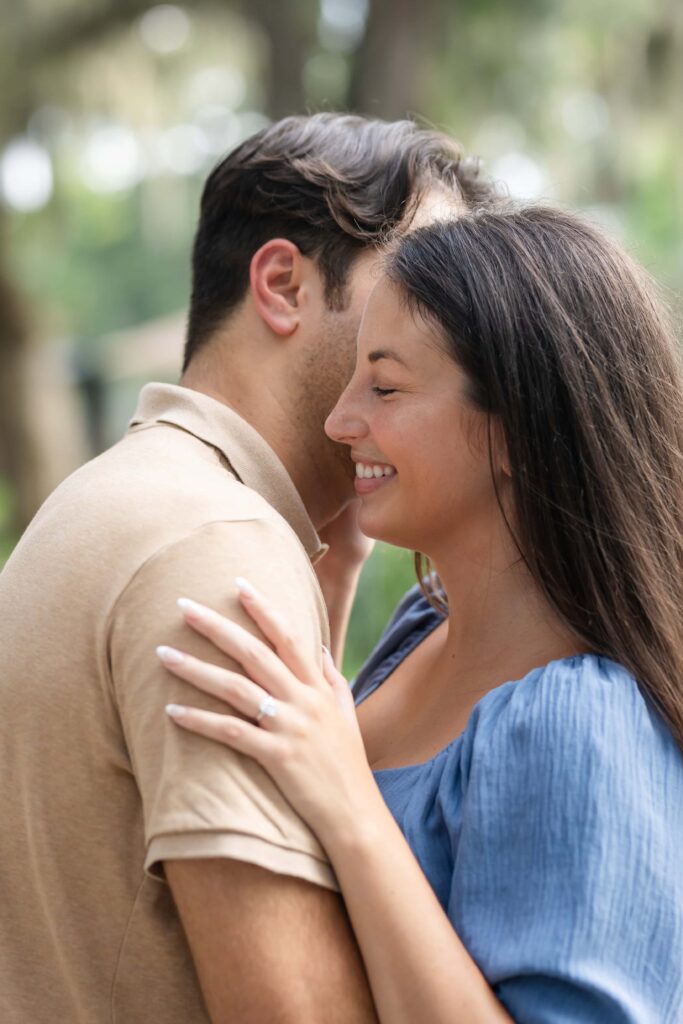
(383, 392)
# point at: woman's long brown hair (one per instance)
(563, 340)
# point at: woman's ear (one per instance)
(275, 277)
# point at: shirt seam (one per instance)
(236, 832)
(122, 944)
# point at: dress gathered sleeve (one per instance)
(567, 883)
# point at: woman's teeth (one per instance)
(365, 471)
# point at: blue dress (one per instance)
(551, 831)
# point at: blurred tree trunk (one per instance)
(18, 457)
(30, 43)
(387, 79)
(290, 30)
(665, 83)
(17, 453)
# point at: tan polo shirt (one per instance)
(97, 786)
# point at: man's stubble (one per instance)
(325, 372)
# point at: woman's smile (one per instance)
(370, 476)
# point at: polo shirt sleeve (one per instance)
(200, 798)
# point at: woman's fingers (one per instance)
(257, 659)
(233, 732)
(330, 670)
(278, 632)
(238, 691)
(340, 686)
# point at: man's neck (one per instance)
(269, 416)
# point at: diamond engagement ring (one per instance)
(266, 709)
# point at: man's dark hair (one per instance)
(333, 184)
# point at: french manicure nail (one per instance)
(244, 586)
(170, 656)
(190, 607)
(175, 710)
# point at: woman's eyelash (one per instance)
(383, 391)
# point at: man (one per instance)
(102, 799)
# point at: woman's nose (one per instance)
(344, 424)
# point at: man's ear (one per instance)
(275, 276)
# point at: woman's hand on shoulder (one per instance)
(296, 720)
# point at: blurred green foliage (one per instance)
(386, 576)
(97, 263)
(7, 538)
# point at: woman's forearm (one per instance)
(339, 590)
(418, 968)
(339, 571)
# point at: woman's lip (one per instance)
(367, 460)
(366, 485)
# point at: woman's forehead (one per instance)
(389, 323)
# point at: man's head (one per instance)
(334, 185)
(291, 223)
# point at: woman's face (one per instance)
(420, 447)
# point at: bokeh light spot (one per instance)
(26, 178)
(165, 28)
(112, 159)
(525, 178)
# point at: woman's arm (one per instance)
(417, 966)
(339, 570)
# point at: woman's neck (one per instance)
(500, 625)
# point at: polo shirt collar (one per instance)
(252, 460)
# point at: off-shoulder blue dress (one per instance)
(551, 831)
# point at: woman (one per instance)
(516, 415)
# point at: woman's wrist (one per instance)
(354, 830)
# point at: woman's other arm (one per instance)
(339, 570)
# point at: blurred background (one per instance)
(112, 112)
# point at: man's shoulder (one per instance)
(144, 496)
(144, 485)
(203, 564)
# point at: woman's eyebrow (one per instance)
(385, 353)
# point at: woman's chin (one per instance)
(381, 528)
